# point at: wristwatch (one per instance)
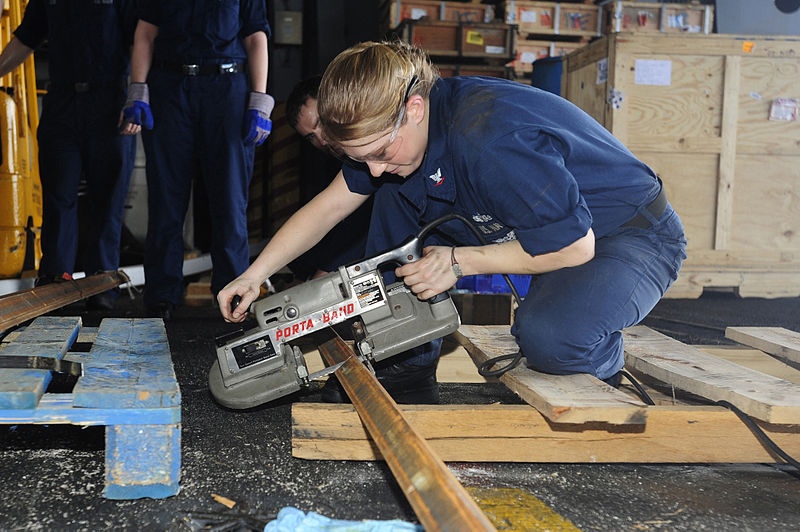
(456, 266)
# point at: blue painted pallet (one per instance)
(128, 385)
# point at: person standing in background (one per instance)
(88, 59)
(189, 90)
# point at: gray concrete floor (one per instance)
(53, 475)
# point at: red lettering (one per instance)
(350, 308)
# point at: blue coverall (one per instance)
(523, 164)
(88, 49)
(198, 116)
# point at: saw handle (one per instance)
(439, 297)
(235, 300)
(409, 251)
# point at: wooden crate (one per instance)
(400, 10)
(528, 51)
(456, 39)
(553, 18)
(657, 17)
(128, 385)
(696, 108)
(449, 70)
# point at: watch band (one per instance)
(456, 267)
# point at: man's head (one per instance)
(373, 105)
(301, 111)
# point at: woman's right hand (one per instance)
(247, 289)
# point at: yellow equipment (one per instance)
(20, 187)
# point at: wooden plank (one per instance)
(22, 306)
(776, 341)
(712, 44)
(142, 461)
(129, 366)
(456, 365)
(517, 433)
(438, 499)
(754, 359)
(727, 156)
(57, 409)
(47, 337)
(577, 398)
(758, 395)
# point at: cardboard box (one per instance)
(696, 108)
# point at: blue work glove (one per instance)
(137, 106)
(257, 122)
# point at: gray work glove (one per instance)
(257, 122)
(137, 106)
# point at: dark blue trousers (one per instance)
(198, 123)
(570, 321)
(78, 136)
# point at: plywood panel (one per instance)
(691, 185)
(587, 94)
(691, 106)
(762, 80)
(767, 203)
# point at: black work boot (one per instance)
(408, 383)
(333, 392)
(405, 383)
(615, 380)
(104, 301)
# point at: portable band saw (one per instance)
(257, 366)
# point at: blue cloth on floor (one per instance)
(293, 520)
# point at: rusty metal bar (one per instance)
(438, 499)
(27, 304)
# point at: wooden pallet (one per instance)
(128, 385)
(581, 419)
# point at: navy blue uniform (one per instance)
(89, 43)
(523, 164)
(198, 124)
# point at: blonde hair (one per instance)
(363, 88)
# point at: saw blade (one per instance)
(325, 372)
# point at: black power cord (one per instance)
(515, 358)
(754, 428)
(760, 434)
(646, 399)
